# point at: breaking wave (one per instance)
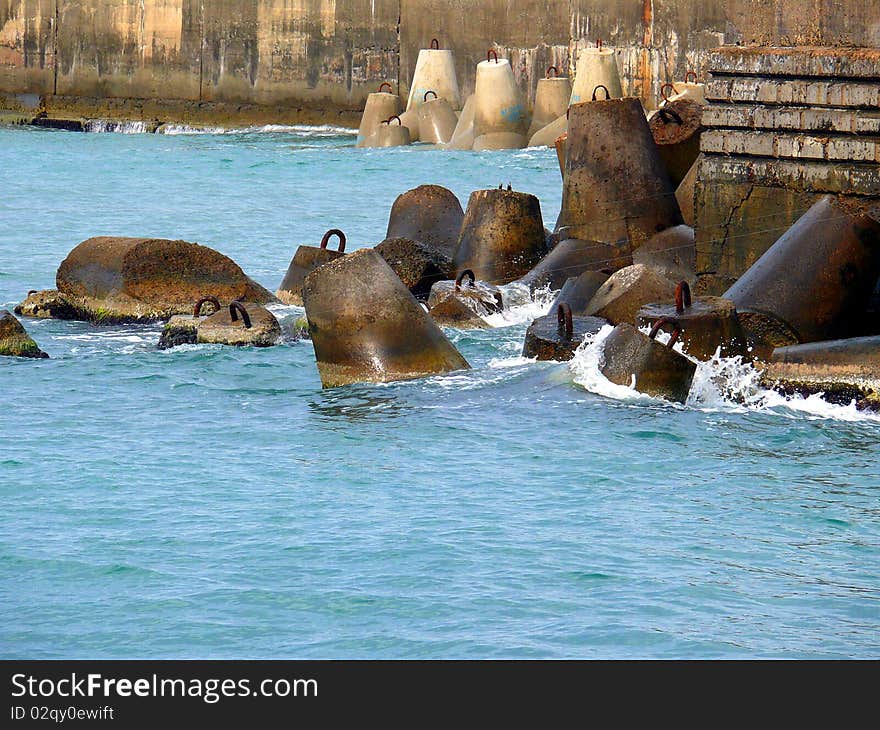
(302, 130)
(720, 384)
(120, 127)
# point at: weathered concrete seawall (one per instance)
(315, 60)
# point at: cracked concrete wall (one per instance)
(322, 56)
(784, 126)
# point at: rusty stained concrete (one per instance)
(320, 58)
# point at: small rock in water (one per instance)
(14, 339)
(51, 304)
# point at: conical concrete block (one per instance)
(366, 326)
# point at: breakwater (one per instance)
(316, 60)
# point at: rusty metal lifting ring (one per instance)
(492, 52)
(599, 43)
(607, 93)
(675, 332)
(197, 310)
(563, 317)
(435, 44)
(682, 296)
(663, 90)
(555, 71)
(689, 74)
(666, 113)
(425, 97)
(388, 121)
(238, 307)
(384, 84)
(466, 273)
(334, 232)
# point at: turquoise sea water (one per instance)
(216, 502)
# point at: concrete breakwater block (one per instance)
(366, 326)
(579, 291)
(437, 120)
(672, 252)
(616, 188)
(14, 339)
(502, 236)
(634, 359)
(501, 119)
(434, 71)
(842, 370)
(815, 282)
(557, 335)
(455, 312)
(482, 298)
(676, 128)
(391, 132)
(595, 67)
(705, 324)
(304, 262)
(117, 280)
(430, 214)
(237, 324)
(464, 134)
(552, 97)
(570, 258)
(418, 265)
(379, 106)
(621, 297)
(547, 135)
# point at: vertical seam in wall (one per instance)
(201, 47)
(55, 43)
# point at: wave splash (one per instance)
(302, 130)
(720, 384)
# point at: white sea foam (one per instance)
(302, 130)
(720, 384)
(117, 126)
(521, 306)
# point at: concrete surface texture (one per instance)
(316, 60)
(784, 126)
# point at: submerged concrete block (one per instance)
(634, 359)
(558, 334)
(304, 262)
(14, 339)
(366, 326)
(842, 370)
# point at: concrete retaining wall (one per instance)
(783, 127)
(317, 59)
